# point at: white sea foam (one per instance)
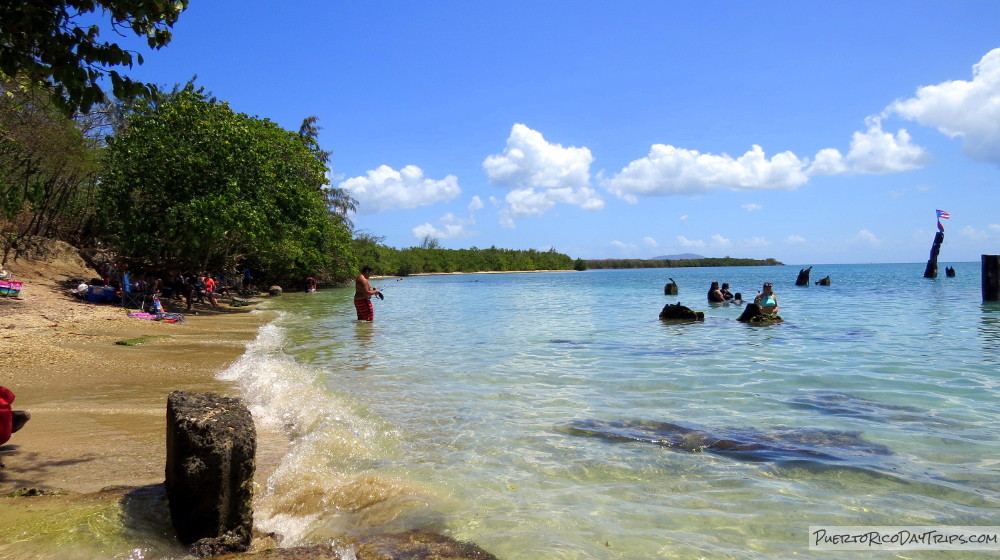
(324, 484)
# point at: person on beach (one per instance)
(715, 294)
(10, 420)
(310, 284)
(210, 290)
(363, 293)
(766, 300)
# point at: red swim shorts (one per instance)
(366, 312)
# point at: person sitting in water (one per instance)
(726, 294)
(737, 299)
(766, 300)
(715, 294)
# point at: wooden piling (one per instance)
(932, 268)
(991, 277)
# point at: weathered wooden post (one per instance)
(211, 442)
(670, 289)
(803, 279)
(991, 277)
(932, 268)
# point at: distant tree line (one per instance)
(429, 258)
(678, 263)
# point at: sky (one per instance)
(808, 132)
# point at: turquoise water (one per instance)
(545, 415)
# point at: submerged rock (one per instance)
(746, 444)
(428, 545)
(678, 312)
(671, 288)
(753, 315)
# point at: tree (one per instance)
(430, 242)
(46, 43)
(49, 170)
(341, 203)
(190, 183)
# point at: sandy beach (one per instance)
(97, 408)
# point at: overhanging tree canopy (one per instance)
(194, 184)
(46, 42)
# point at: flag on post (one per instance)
(942, 214)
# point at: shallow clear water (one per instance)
(545, 415)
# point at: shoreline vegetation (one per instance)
(430, 259)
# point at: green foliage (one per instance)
(45, 42)
(49, 169)
(648, 263)
(190, 183)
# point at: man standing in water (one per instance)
(363, 293)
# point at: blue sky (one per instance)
(805, 131)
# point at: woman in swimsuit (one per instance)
(766, 300)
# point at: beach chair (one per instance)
(130, 299)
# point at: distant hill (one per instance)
(676, 257)
(677, 261)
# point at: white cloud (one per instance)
(450, 227)
(990, 232)
(872, 152)
(624, 246)
(755, 242)
(795, 239)
(385, 188)
(476, 204)
(876, 151)
(650, 242)
(828, 161)
(751, 207)
(685, 242)
(866, 237)
(669, 170)
(720, 241)
(530, 161)
(683, 219)
(541, 175)
(962, 108)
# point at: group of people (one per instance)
(766, 300)
(188, 287)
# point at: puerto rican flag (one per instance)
(942, 214)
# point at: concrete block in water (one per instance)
(211, 442)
